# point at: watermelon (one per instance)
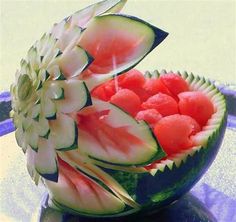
(154, 86)
(131, 80)
(121, 97)
(178, 129)
(151, 116)
(106, 139)
(174, 83)
(105, 91)
(196, 105)
(163, 103)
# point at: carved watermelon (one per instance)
(105, 139)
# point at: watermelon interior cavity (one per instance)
(175, 112)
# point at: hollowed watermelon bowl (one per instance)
(105, 139)
(161, 182)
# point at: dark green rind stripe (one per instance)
(88, 96)
(94, 179)
(90, 59)
(53, 117)
(155, 74)
(58, 53)
(147, 75)
(47, 134)
(41, 58)
(36, 118)
(60, 77)
(37, 102)
(62, 96)
(39, 86)
(34, 148)
(128, 180)
(161, 153)
(50, 176)
(25, 114)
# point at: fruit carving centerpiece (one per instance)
(104, 138)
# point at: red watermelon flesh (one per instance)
(173, 132)
(197, 105)
(100, 93)
(142, 94)
(106, 90)
(110, 89)
(132, 79)
(153, 99)
(127, 100)
(104, 47)
(163, 103)
(151, 116)
(154, 86)
(174, 83)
